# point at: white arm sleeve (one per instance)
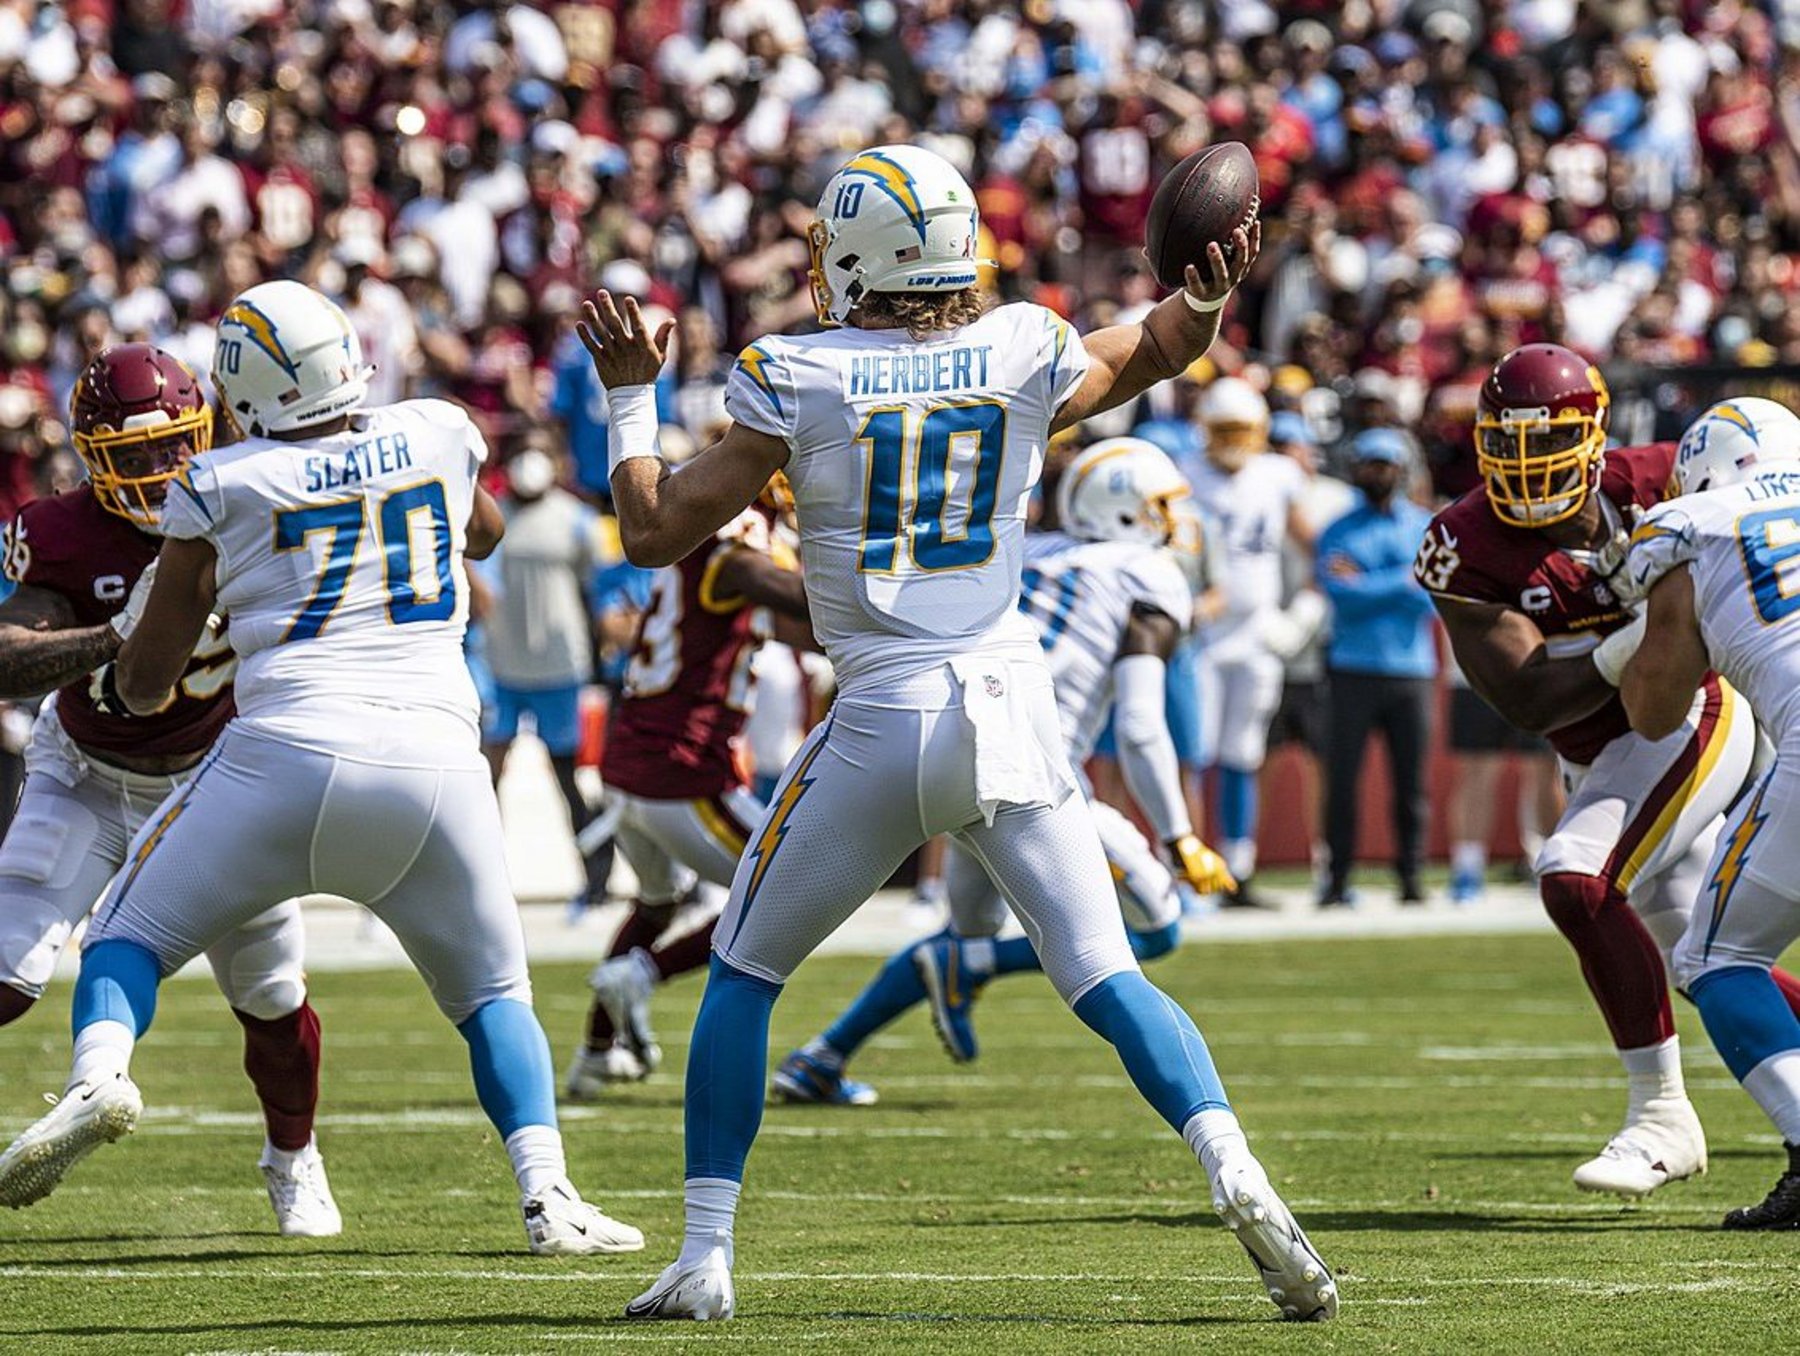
(1146, 749)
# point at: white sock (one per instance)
(929, 890)
(978, 955)
(1469, 855)
(537, 1158)
(646, 966)
(102, 1051)
(284, 1160)
(1774, 1085)
(1653, 1071)
(1240, 856)
(1215, 1137)
(711, 1209)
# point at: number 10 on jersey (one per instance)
(913, 460)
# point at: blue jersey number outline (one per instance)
(346, 520)
(1051, 613)
(907, 492)
(1772, 566)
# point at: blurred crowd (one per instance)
(1441, 180)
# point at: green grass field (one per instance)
(1422, 1103)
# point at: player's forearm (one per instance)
(1147, 756)
(1161, 346)
(1546, 695)
(1656, 701)
(35, 662)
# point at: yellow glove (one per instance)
(1200, 866)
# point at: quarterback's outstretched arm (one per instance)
(1127, 360)
(664, 514)
(156, 653)
(40, 646)
(1659, 683)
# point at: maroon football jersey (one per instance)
(1468, 553)
(70, 545)
(687, 691)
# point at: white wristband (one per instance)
(631, 424)
(1614, 653)
(1203, 307)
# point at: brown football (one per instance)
(1202, 200)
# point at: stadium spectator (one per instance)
(1381, 661)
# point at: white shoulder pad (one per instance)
(1155, 580)
(193, 503)
(1666, 538)
(760, 392)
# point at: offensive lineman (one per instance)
(96, 772)
(670, 761)
(1718, 565)
(334, 539)
(912, 437)
(1110, 603)
(1523, 572)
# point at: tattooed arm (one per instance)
(40, 646)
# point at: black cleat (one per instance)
(1244, 897)
(1780, 1209)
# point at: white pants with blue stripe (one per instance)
(885, 772)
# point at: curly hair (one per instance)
(924, 313)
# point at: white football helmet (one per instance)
(1124, 489)
(1236, 418)
(287, 357)
(1732, 439)
(895, 219)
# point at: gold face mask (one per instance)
(1539, 467)
(130, 469)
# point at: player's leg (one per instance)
(1250, 689)
(191, 876)
(845, 814)
(499, 727)
(63, 845)
(1050, 864)
(260, 968)
(1743, 923)
(417, 846)
(1353, 713)
(1406, 722)
(557, 714)
(1631, 815)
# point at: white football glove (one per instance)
(1614, 653)
(125, 621)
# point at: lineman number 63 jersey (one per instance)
(911, 463)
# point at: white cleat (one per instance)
(1662, 1142)
(558, 1223)
(85, 1117)
(702, 1292)
(301, 1195)
(1296, 1277)
(623, 985)
(591, 1070)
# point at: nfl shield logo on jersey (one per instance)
(995, 688)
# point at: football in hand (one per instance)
(1203, 199)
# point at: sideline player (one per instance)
(912, 437)
(1255, 496)
(96, 773)
(671, 766)
(334, 539)
(1522, 572)
(1110, 603)
(1718, 565)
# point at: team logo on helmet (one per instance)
(261, 331)
(894, 181)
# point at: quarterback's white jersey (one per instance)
(1251, 508)
(911, 465)
(340, 567)
(1081, 596)
(1742, 544)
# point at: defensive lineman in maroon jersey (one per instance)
(1519, 570)
(670, 759)
(96, 774)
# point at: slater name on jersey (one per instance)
(377, 457)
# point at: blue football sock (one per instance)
(895, 988)
(1237, 803)
(728, 1058)
(1149, 945)
(1745, 1015)
(1159, 1045)
(511, 1061)
(1013, 955)
(118, 983)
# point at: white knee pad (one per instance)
(269, 996)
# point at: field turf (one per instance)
(1421, 1102)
